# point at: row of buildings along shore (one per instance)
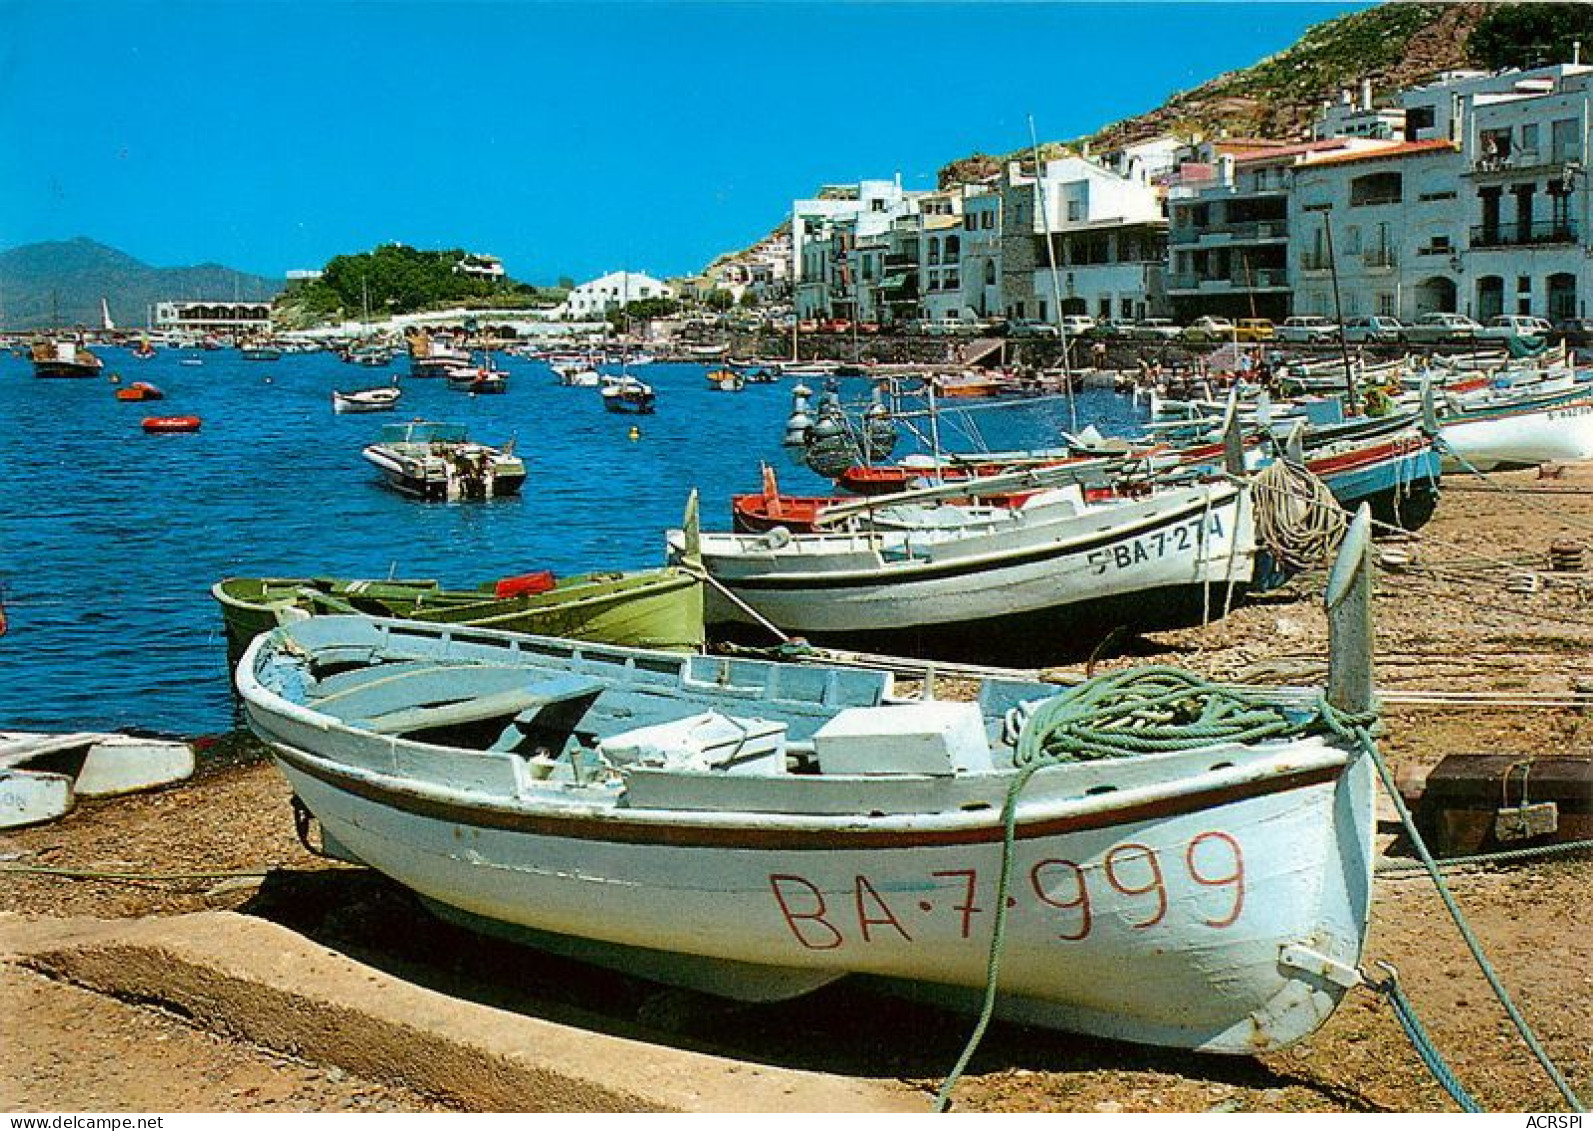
(1469, 194)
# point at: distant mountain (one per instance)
(71, 276)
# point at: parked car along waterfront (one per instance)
(1308, 329)
(1209, 329)
(1374, 328)
(1576, 332)
(1112, 328)
(1156, 330)
(1507, 326)
(1442, 326)
(1255, 330)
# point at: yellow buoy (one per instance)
(636, 433)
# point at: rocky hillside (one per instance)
(1394, 45)
(61, 283)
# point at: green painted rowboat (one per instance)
(660, 609)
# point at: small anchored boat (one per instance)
(384, 398)
(758, 830)
(160, 424)
(430, 460)
(140, 391)
(627, 394)
(478, 379)
(429, 357)
(62, 357)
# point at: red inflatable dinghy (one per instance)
(171, 424)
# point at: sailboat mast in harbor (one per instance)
(1056, 286)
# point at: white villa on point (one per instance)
(612, 291)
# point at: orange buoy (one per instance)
(171, 424)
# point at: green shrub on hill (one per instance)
(395, 279)
(1529, 35)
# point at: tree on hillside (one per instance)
(1528, 35)
(642, 310)
(395, 279)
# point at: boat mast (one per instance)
(1056, 286)
(1350, 403)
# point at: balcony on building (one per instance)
(1379, 259)
(1258, 279)
(1554, 163)
(1537, 233)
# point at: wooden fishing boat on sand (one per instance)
(43, 775)
(1515, 431)
(758, 830)
(1001, 585)
(659, 609)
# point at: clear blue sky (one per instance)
(567, 138)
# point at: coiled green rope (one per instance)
(1149, 710)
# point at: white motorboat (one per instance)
(383, 399)
(439, 461)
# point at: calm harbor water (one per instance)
(110, 539)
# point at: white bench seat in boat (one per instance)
(705, 742)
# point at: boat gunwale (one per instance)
(766, 830)
(909, 570)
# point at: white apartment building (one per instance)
(858, 257)
(611, 291)
(981, 253)
(1352, 117)
(864, 210)
(1107, 242)
(1525, 189)
(1391, 218)
(940, 255)
(480, 266)
(1483, 209)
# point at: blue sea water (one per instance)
(110, 538)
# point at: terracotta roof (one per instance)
(1400, 149)
(1295, 150)
(1245, 144)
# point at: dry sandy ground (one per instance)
(1453, 624)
